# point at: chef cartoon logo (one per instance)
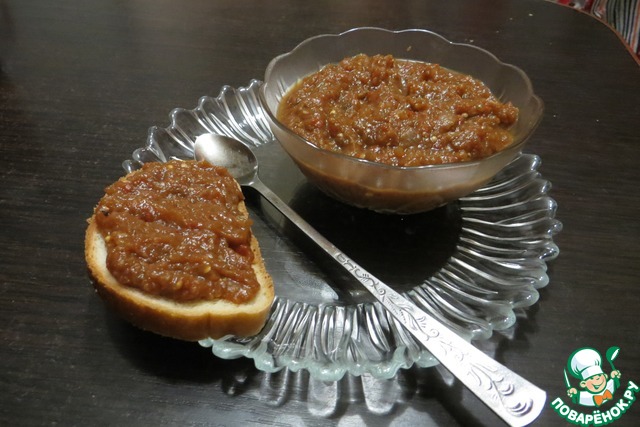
(592, 384)
(596, 386)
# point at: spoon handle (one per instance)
(514, 399)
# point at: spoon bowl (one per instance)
(220, 150)
(612, 353)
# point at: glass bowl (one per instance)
(476, 264)
(393, 189)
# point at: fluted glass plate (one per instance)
(470, 264)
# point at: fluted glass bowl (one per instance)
(385, 188)
(475, 264)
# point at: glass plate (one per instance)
(470, 264)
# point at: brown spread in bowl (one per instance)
(398, 112)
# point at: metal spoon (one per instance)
(511, 397)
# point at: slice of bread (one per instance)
(190, 321)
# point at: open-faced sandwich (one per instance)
(170, 249)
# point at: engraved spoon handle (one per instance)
(514, 399)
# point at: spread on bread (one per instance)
(175, 230)
(173, 241)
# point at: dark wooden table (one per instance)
(82, 81)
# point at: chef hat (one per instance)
(585, 363)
